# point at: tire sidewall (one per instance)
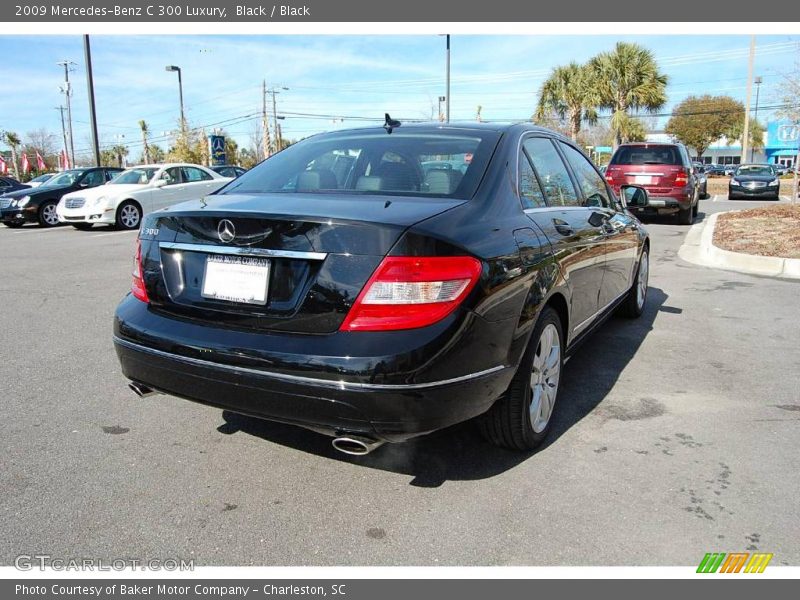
(40, 215)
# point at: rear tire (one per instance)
(129, 215)
(685, 216)
(47, 215)
(82, 226)
(633, 305)
(523, 416)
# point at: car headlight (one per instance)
(20, 202)
(734, 182)
(775, 181)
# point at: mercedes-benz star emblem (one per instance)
(226, 231)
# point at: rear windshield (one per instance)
(441, 163)
(647, 155)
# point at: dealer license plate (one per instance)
(236, 279)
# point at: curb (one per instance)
(699, 248)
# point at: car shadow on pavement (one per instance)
(459, 453)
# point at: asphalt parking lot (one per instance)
(676, 435)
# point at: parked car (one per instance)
(136, 192)
(38, 205)
(665, 171)
(781, 170)
(9, 184)
(232, 171)
(702, 179)
(386, 302)
(41, 179)
(754, 181)
(716, 171)
(730, 169)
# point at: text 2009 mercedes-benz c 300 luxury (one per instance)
(377, 284)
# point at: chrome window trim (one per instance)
(243, 251)
(339, 385)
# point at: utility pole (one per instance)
(67, 91)
(275, 121)
(746, 134)
(61, 110)
(264, 120)
(447, 92)
(87, 53)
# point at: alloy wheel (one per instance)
(642, 280)
(129, 216)
(544, 378)
(49, 215)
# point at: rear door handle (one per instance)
(563, 228)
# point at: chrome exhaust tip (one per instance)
(356, 445)
(141, 390)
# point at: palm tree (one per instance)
(628, 78)
(145, 132)
(119, 152)
(12, 139)
(569, 92)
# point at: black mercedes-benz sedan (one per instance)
(378, 284)
(754, 181)
(38, 204)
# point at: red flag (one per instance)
(40, 165)
(3, 166)
(26, 166)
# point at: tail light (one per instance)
(137, 285)
(406, 292)
(609, 177)
(682, 177)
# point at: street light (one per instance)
(758, 81)
(180, 92)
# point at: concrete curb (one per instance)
(698, 248)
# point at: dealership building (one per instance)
(780, 147)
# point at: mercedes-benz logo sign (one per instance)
(226, 231)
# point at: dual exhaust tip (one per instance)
(354, 445)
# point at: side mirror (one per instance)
(633, 195)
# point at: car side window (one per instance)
(553, 174)
(193, 175)
(93, 179)
(109, 175)
(171, 175)
(594, 189)
(530, 192)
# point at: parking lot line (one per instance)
(115, 233)
(27, 230)
(716, 198)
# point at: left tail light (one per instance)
(407, 292)
(682, 177)
(137, 284)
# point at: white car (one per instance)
(135, 192)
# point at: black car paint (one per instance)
(290, 363)
(46, 193)
(9, 184)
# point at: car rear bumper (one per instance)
(331, 398)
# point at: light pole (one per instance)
(447, 90)
(758, 81)
(440, 116)
(180, 93)
(87, 54)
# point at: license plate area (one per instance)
(237, 279)
(643, 179)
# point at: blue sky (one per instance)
(336, 76)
